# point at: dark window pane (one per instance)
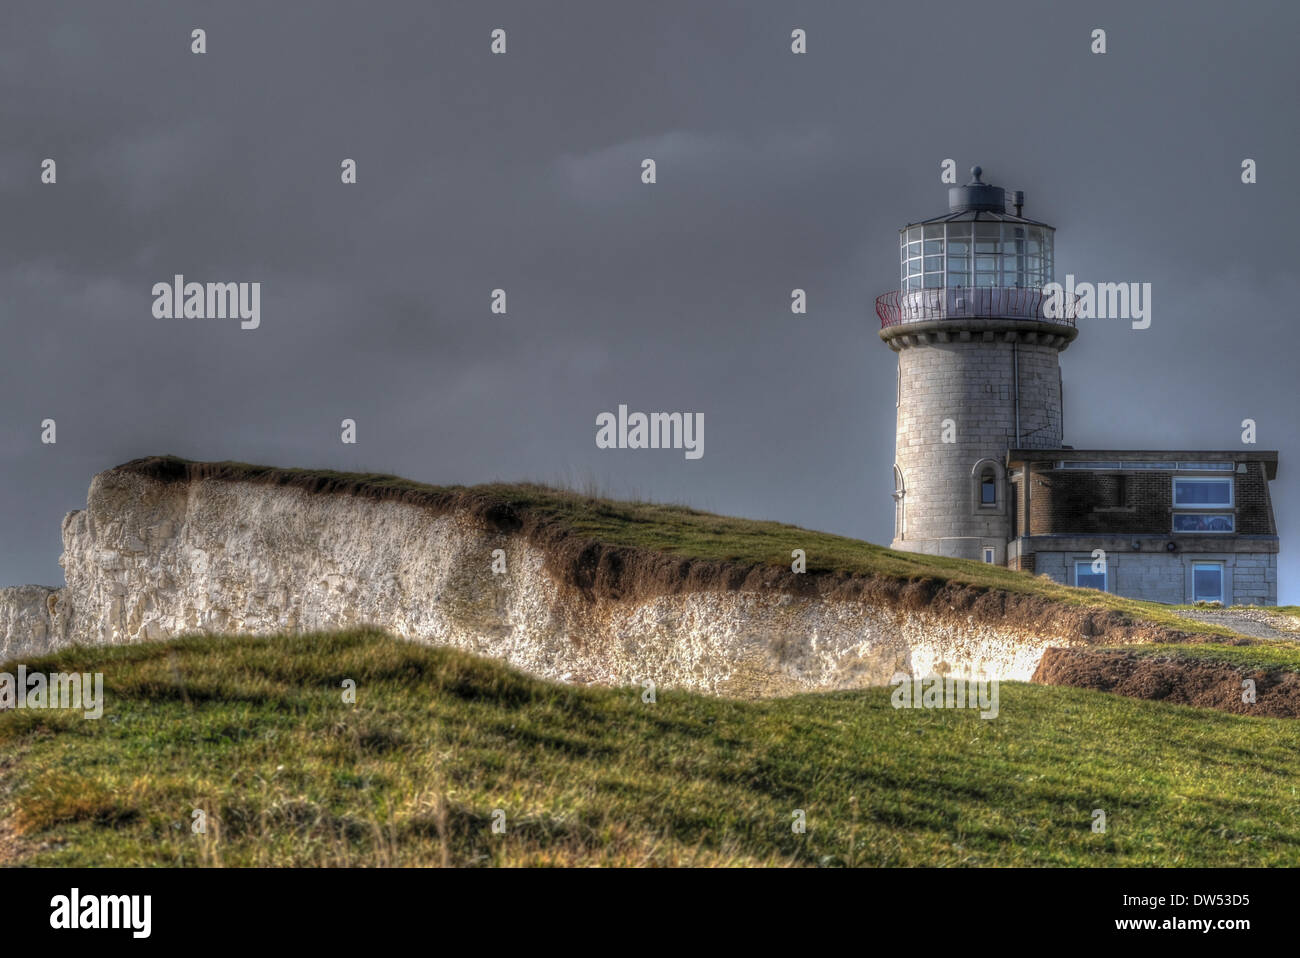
(1215, 493)
(1202, 522)
(1207, 582)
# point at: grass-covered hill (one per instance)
(634, 549)
(439, 745)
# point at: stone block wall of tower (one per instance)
(973, 384)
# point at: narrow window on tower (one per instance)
(988, 489)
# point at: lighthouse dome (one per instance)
(978, 243)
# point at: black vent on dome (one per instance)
(976, 195)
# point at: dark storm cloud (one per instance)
(522, 172)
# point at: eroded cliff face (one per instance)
(149, 559)
(27, 620)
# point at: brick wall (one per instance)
(1083, 502)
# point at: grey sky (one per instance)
(522, 171)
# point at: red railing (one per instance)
(974, 302)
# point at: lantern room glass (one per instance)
(936, 255)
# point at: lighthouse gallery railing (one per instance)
(974, 302)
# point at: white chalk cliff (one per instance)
(150, 559)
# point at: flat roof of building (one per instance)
(1267, 456)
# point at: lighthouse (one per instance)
(980, 469)
(978, 368)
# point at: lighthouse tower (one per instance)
(978, 368)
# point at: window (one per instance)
(963, 254)
(1085, 578)
(1199, 493)
(1203, 522)
(986, 489)
(1034, 259)
(1164, 464)
(1086, 464)
(988, 555)
(1013, 255)
(987, 236)
(958, 254)
(1207, 581)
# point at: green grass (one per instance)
(1266, 655)
(255, 732)
(689, 533)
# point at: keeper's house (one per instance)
(1167, 526)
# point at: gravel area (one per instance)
(1258, 623)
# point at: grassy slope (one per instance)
(255, 731)
(690, 533)
(1265, 655)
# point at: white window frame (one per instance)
(1162, 465)
(1203, 506)
(999, 505)
(1105, 574)
(1223, 581)
(990, 555)
(914, 275)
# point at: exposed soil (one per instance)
(599, 570)
(1204, 684)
